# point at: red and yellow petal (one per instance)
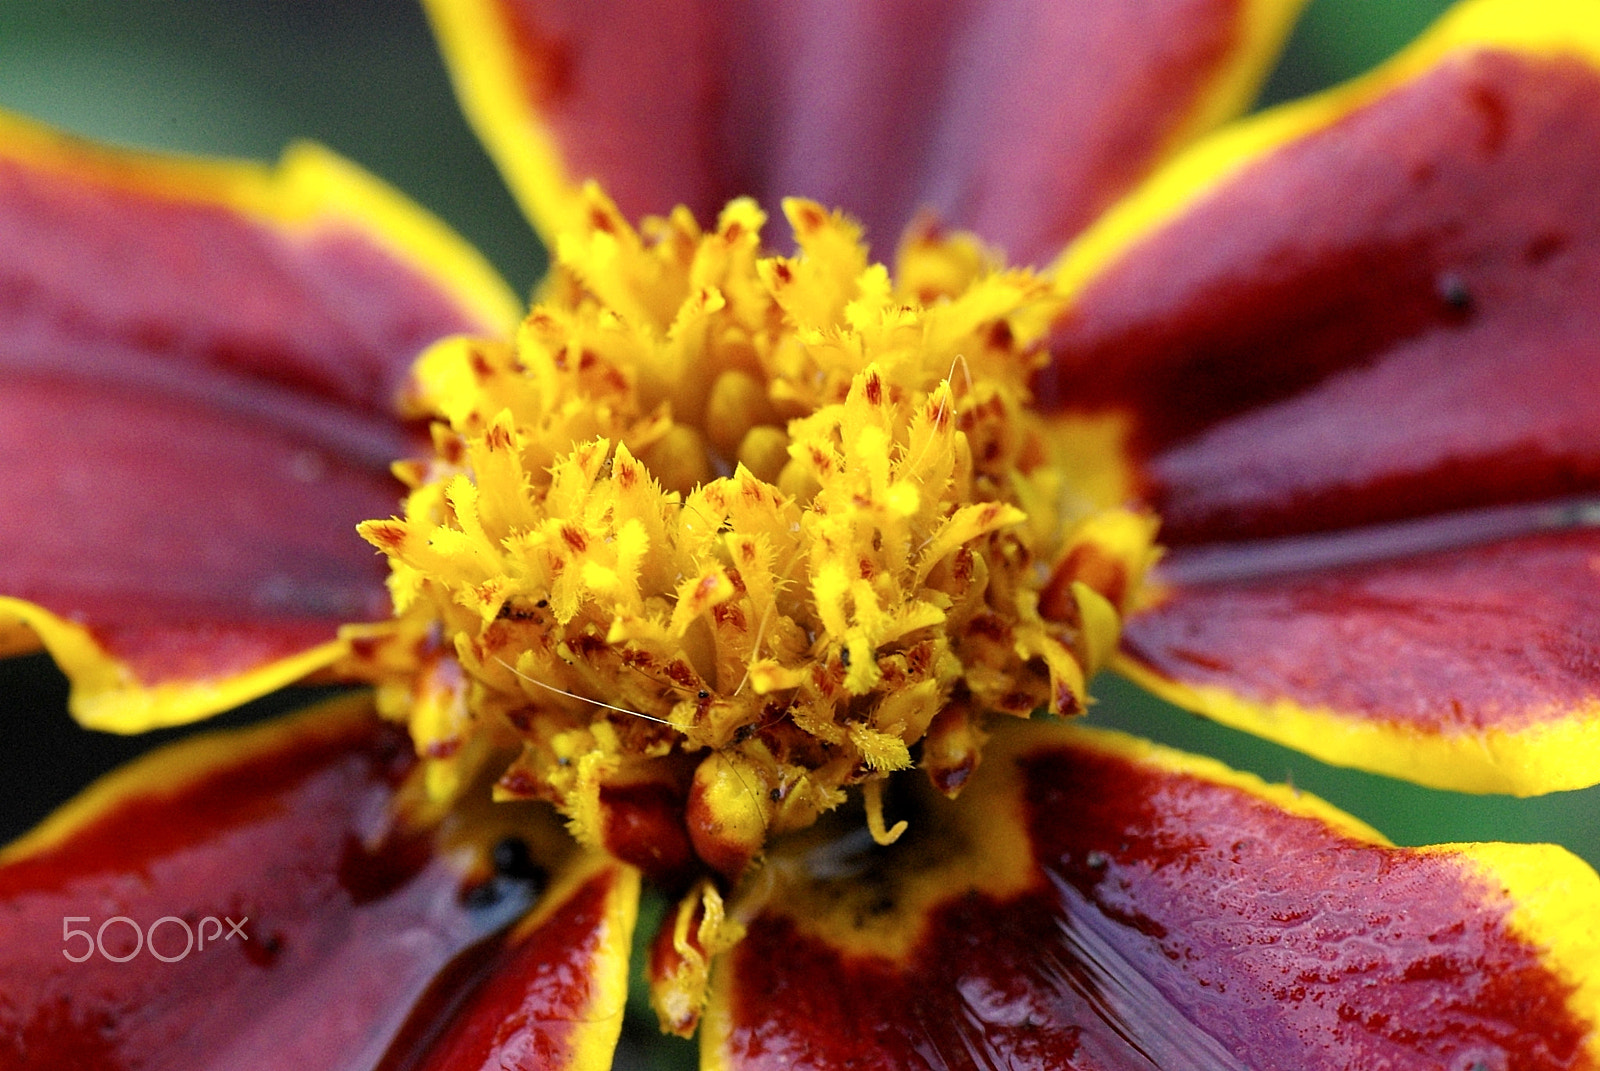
(1019, 121)
(199, 365)
(1097, 901)
(1376, 314)
(174, 559)
(1472, 669)
(359, 927)
(550, 995)
(1372, 305)
(312, 275)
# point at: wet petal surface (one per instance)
(1114, 904)
(336, 923)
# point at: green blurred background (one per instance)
(243, 77)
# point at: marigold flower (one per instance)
(768, 575)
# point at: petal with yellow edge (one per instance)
(1360, 334)
(1371, 305)
(280, 898)
(549, 996)
(1473, 669)
(198, 364)
(1019, 121)
(1109, 903)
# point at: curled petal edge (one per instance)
(501, 1022)
(106, 693)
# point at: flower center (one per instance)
(737, 531)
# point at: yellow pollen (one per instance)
(755, 528)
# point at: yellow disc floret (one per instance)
(742, 529)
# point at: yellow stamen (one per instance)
(779, 525)
(872, 796)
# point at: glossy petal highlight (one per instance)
(199, 364)
(1170, 913)
(1019, 121)
(548, 997)
(308, 829)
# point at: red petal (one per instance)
(549, 996)
(352, 910)
(142, 513)
(1018, 120)
(1394, 313)
(1471, 669)
(313, 277)
(1093, 901)
(197, 364)
(1377, 306)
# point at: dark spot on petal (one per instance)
(518, 783)
(1491, 110)
(990, 626)
(679, 672)
(544, 62)
(949, 779)
(1543, 247)
(264, 950)
(1454, 293)
(368, 873)
(588, 646)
